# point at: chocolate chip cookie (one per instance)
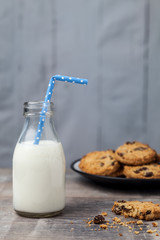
(135, 153)
(100, 163)
(137, 209)
(147, 171)
(118, 173)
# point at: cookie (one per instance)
(147, 171)
(118, 173)
(137, 209)
(135, 153)
(99, 163)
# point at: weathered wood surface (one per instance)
(84, 200)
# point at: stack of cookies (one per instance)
(132, 160)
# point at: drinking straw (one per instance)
(48, 99)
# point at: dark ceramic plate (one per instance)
(116, 181)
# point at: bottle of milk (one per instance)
(38, 169)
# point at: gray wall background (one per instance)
(113, 43)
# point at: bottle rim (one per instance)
(35, 108)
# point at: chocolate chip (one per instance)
(117, 210)
(99, 219)
(103, 157)
(140, 149)
(113, 163)
(130, 142)
(110, 157)
(122, 207)
(113, 151)
(120, 154)
(101, 164)
(141, 169)
(149, 174)
(126, 210)
(148, 212)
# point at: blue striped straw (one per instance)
(48, 99)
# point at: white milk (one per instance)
(39, 177)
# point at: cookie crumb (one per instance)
(157, 234)
(136, 232)
(104, 213)
(116, 219)
(104, 226)
(154, 224)
(140, 229)
(151, 231)
(140, 222)
(90, 222)
(120, 234)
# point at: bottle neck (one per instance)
(32, 113)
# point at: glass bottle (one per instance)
(38, 169)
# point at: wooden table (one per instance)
(84, 199)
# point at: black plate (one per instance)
(116, 181)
